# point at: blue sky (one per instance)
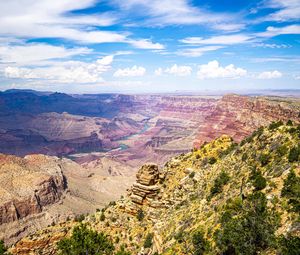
(92, 46)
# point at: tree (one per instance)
(294, 154)
(289, 245)
(291, 190)
(247, 228)
(219, 182)
(122, 251)
(3, 248)
(148, 240)
(85, 241)
(258, 181)
(200, 244)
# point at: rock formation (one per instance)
(146, 188)
(28, 185)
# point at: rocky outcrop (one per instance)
(28, 185)
(146, 188)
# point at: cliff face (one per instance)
(238, 116)
(191, 194)
(28, 185)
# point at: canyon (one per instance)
(76, 153)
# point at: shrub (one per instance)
(140, 215)
(264, 159)
(85, 241)
(148, 240)
(3, 248)
(200, 244)
(275, 125)
(244, 157)
(192, 174)
(219, 182)
(247, 229)
(289, 123)
(102, 217)
(122, 251)
(289, 245)
(294, 154)
(291, 190)
(282, 150)
(79, 218)
(212, 160)
(257, 180)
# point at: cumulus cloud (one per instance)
(179, 70)
(146, 44)
(64, 72)
(270, 75)
(213, 70)
(158, 71)
(130, 72)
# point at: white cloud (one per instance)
(33, 53)
(272, 45)
(179, 12)
(270, 75)
(179, 70)
(130, 72)
(274, 31)
(64, 72)
(297, 77)
(213, 70)
(53, 19)
(146, 44)
(288, 10)
(158, 71)
(197, 52)
(221, 40)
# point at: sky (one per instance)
(94, 46)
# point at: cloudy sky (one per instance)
(149, 45)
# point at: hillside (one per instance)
(223, 198)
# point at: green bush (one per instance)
(200, 244)
(247, 229)
(257, 180)
(192, 174)
(122, 251)
(264, 159)
(140, 215)
(275, 125)
(294, 154)
(102, 217)
(282, 150)
(289, 245)
(289, 123)
(212, 160)
(85, 241)
(3, 248)
(219, 182)
(148, 240)
(79, 218)
(291, 190)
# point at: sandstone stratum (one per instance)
(222, 192)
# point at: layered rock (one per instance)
(146, 188)
(28, 185)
